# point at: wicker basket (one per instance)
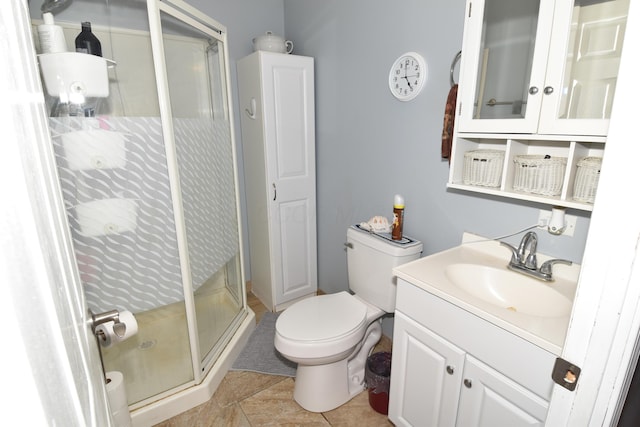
(483, 167)
(539, 174)
(587, 176)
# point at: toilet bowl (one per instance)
(325, 335)
(331, 336)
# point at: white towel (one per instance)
(377, 224)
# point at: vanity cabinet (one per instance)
(537, 78)
(452, 368)
(276, 97)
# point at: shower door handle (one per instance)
(275, 191)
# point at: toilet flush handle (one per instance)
(348, 245)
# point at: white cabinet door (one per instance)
(489, 399)
(425, 376)
(290, 154)
(278, 139)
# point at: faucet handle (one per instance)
(515, 256)
(546, 267)
(532, 261)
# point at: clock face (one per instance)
(407, 76)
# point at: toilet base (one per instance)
(321, 388)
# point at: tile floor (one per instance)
(249, 399)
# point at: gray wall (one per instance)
(371, 146)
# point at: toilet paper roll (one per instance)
(106, 332)
(118, 399)
(116, 391)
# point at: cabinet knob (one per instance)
(533, 90)
(467, 383)
(548, 90)
(450, 370)
(275, 191)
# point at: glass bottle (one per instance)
(87, 42)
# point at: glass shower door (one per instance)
(194, 58)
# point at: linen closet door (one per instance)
(278, 134)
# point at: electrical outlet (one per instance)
(570, 221)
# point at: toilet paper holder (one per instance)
(119, 328)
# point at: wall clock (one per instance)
(408, 76)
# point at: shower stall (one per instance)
(144, 145)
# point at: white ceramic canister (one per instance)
(272, 43)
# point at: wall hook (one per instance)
(251, 111)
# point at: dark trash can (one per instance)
(377, 375)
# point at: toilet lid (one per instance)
(324, 317)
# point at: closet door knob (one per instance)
(467, 383)
(450, 370)
(533, 90)
(548, 90)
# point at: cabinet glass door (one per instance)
(584, 59)
(504, 56)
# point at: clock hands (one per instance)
(407, 78)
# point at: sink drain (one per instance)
(146, 345)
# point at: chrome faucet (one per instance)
(528, 264)
(529, 240)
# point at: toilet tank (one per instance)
(370, 259)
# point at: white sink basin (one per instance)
(474, 277)
(509, 290)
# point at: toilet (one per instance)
(331, 336)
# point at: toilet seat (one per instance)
(324, 317)
(321, 326)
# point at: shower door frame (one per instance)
(191, 16)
